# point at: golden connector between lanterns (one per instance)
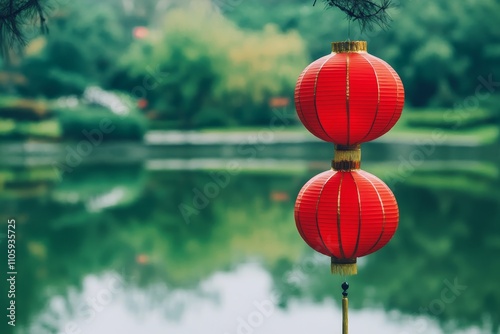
(349, 46)
(346, 158)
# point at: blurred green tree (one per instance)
(442, 49)
(80, 50)
(439, 49)
(225, 60)
(209, 72)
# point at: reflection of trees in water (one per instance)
(147, 238)
(441, 263)
(447, 226)
(241, 221)
(50, 223)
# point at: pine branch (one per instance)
(16, 14)
(367, 13)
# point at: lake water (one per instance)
(198, 240)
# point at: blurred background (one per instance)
(151, 157)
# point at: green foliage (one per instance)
(22, 130)
(200, 67)
(316, 26)
(211, 72)
(74, 121)
(81, 49)
(450, 119)
(24, 118)
(439, 48)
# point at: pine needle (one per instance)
(16, 14)
(367, 13)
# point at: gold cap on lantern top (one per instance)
(351, 46)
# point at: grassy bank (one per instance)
(477, 127)
(22, 119)
(25, 119)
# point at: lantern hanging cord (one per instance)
(368, 13)
(345, 304)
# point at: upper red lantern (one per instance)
(349, 96)
(345, 215)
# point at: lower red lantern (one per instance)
(346, 215)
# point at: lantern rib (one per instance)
(398, 84)
(315, 88)
(317, 207)
(301, 194)
(365, 57)
(341, 248)
(359, 216)
(299, 109)
(299, 226)
(383, 213)
(347, 100)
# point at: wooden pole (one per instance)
(345, 322)
(345, 304)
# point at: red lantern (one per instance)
(346, 215)
(349, 96)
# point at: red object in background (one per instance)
(279, 196)
(142, 259)
(142, 103)
(279, 102)
(349, 96)
(140, 32)
(346, 214)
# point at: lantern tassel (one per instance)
(344, 267)
(345, 304)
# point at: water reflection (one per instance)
(118, 236)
